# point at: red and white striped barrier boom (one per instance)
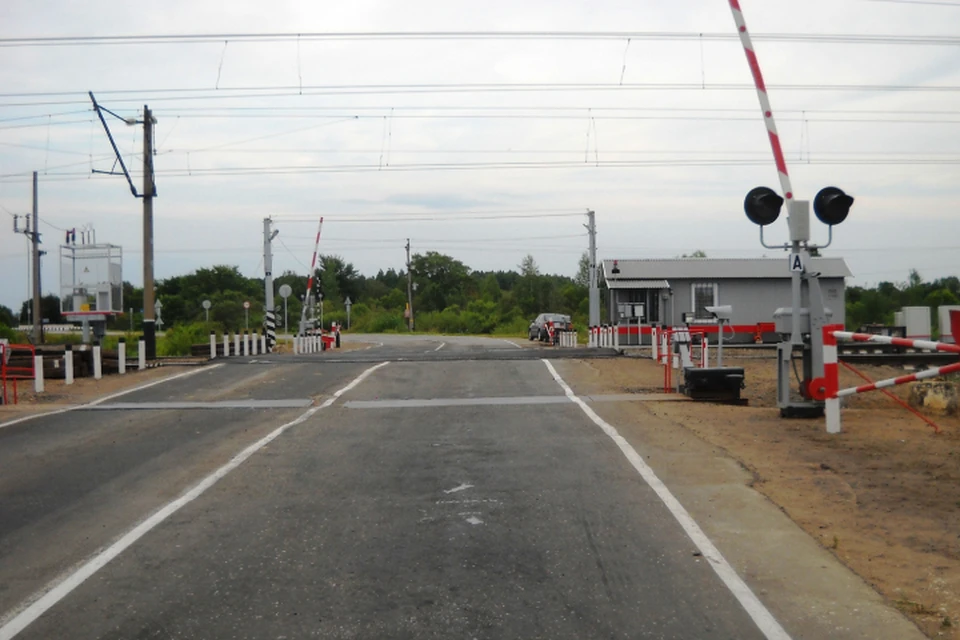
(828, 388)
(313, 269)
(764, 102)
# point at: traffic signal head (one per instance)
(762, 205)
(832, 205)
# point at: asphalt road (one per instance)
(467, 518)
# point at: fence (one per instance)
(828, 388)
(17, 362)
(684, 340)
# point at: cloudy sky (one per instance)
(484, 147)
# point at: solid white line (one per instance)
(512, 343)
(59, 589)
(764, 620)
(442, 345)
(94, 403)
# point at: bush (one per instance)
(178, 340)
(380, 322)
(8, 334)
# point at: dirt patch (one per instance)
(883, 496)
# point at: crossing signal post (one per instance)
(801, 329)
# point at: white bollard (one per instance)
(616, 336)
(263, 343)
(38, 374)
(296, 345)
(653, 343)
(121, 356)
(97, 362)
(236, 344)
(254, 344)
(832, 412)
(213, 345)
(141, 355)
(68, 365)
(226, 345)
(246, 343)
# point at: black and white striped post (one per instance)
(270, 318)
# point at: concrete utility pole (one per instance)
(594, 285)
(270, 316)
(409, 289)
(35, 237)
(149, 191)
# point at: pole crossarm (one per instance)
(103, 121)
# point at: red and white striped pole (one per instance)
(764, 102)
(831, 376)
(313, 269)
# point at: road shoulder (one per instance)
(809, 591)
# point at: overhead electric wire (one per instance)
(723, 36)
(478, 166)
(188, 93)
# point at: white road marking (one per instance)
(462, 487)
(98, 401)
(512, 343)
(51, 594)
(474, 520)
(442, 345)
(764, 620)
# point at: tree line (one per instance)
(449, 297)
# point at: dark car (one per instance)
(538, 328)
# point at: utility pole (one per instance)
(269, 315)
(149, 191)
(35, 237)
(594, 285)
(409, 290)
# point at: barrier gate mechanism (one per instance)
(799, 329)
(827, 388)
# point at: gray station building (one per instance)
(668, 292)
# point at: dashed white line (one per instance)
(54, 592)
(511, 343)
(764, 620)
(442, 345)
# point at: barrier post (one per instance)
(38, 374)
(68, 364)
(246, 343)
(654, 337)
(141, 354)
(97, 362)
(121, 356)
(213, 345)
(236, 344)
(254, 343)
(263, 343)
(616, 336)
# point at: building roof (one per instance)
(714, 268)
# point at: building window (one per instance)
(704, 295)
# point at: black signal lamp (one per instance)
(762, 205)
(832, 205)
